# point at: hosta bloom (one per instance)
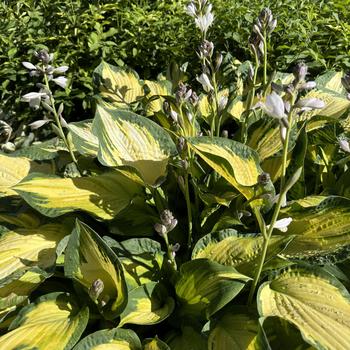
(34, 99)
(61, 81)
(204, 22)
(273, 106)
(191, 9)
(308, 104)
(282, 224)
(204, 80)
(344, 145)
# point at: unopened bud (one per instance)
(96, 289)
(194, 98)
(181, 145)
(264, 179)
(206, 49)
(222, 103)
(5, 132)
(160, 229)
(300, 72)
(308, 86)
(218, 61)
(224, 133)
(44, 56)
(173, 116)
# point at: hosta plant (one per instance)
(180, 220)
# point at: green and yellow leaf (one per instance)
(89, 259)
(241, 251)
(156, 89)
(129, 139)
(118, 85)
(237, 163)
(317, 303)
(12, 171)
(24, 248)
(154, 344)
(113, 339)
(54, 321)
(103, 195)
(84, 141)
(148, 304)
(205, 286)
(235, 331)
(320, 232)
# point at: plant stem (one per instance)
(250, 100)
(57, 120)
(189, 212)
(265, 59)
(267, 235)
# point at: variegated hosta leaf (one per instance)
(205, 286)
(54, 321)
(13, 170)
(118, 85)
(189, 338)
(103, 195)
(26, 219)
(237, 163)
(317, 303)
(329, 90)
(242, 252)
(16, 288)
(113, 339)
(156, 89)
(45, 150)
(142, 260)
(90, 261)
(129, 139)
(278, 333)
(24, 248)
(148, 304)
(204, 106)
(321, 232)
(237, 331)
(155, 344)
(266, 139)
(84, 141)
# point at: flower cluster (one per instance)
(45, 69)
(168, 223)
(264, 25)
(201, 11)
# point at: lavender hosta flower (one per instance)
(282, 224)
(300, 71)
(206, 84)
(61, 81)
(44, 56)
(344, 145)
(308, 104)
(38, 124)
(29, 66)
(203, 22)
(223, 103)
(60, 70)
(273, 106)
(191, 9)
(308, 86)
(34, 99)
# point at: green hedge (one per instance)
(147, 35)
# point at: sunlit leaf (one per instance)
(54, 321)
(88, 259)
(102, 195)
(148, 304)
(317, 303)
(129, 139)
(110, 339)
(84, 141)
(205, 286)
(118, 85)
